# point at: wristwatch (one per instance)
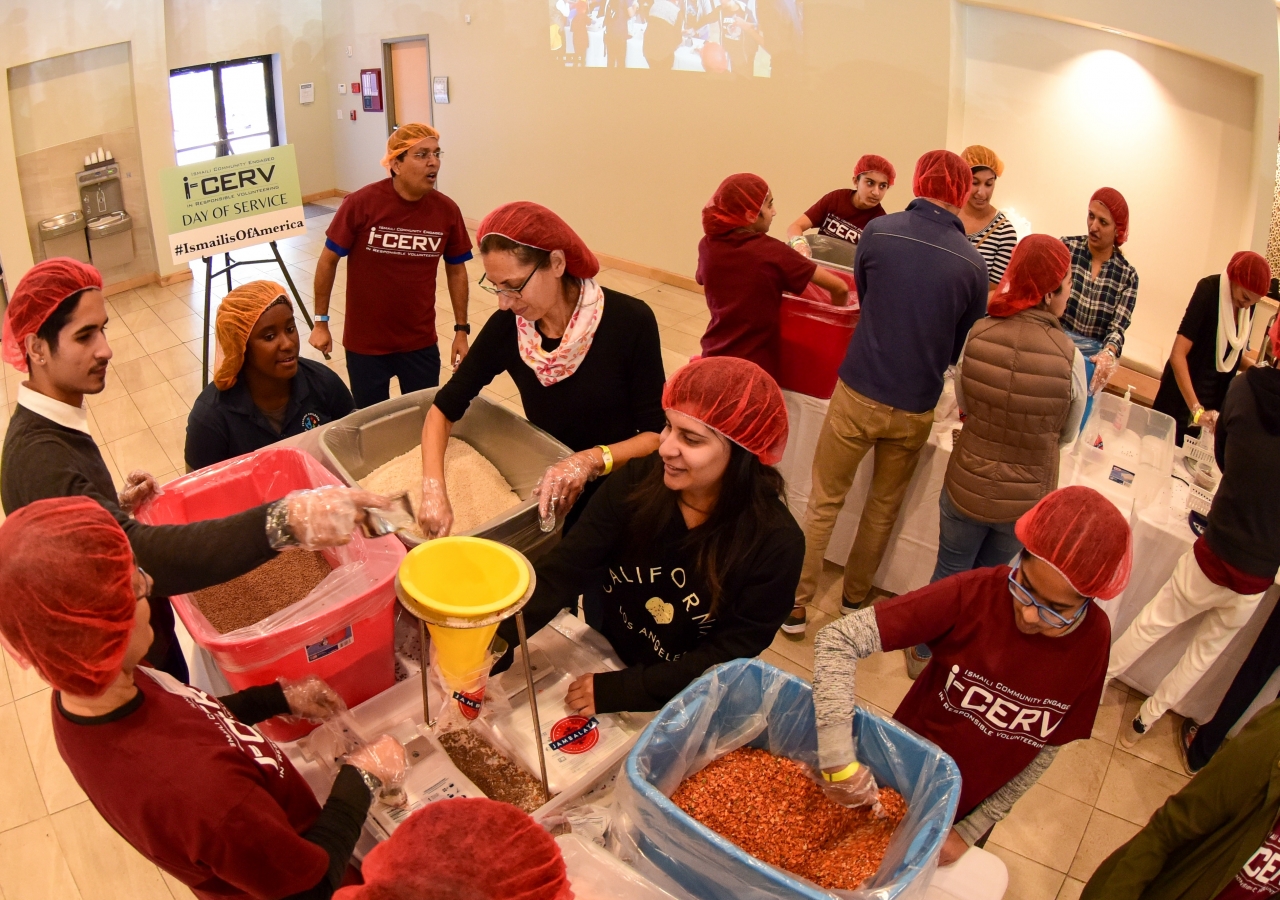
(279, 536)
(465, 328)
(320, 318)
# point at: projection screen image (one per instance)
(748, 38)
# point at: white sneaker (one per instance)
(1133, 732)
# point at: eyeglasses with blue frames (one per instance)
(514, 292)
(1050, 617)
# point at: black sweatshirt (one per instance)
(615, 394)
(1244, 522)
(656, 602)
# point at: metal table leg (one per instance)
(533, 702)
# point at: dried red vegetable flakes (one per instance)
(770, 807)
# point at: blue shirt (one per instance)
(921, 285)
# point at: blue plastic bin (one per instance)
(751, 703)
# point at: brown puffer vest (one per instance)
(1016, 382)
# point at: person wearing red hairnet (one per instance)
(1104, 287)
(1229, 568)
(1021, 383)
(586, 360)
(183, 777)
(1211, 341)
(393, 234)
(55, 331)
(1019, 662)
(843, 213)
(695, 549)
(921, 285)
(988, 229)
(745, 273)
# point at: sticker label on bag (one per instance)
(1121, 476)
(330, 644)
(469, 702)
(574, 734)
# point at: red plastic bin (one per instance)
(343, 631)
(814, 336)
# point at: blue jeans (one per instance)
(965, 544)
(1088, 348)
(371, 375)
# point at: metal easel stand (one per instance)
(228, 265)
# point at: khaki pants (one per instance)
(855, 425)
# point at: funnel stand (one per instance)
(533, 701)
(426, 699)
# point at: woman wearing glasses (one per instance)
(586, 360)
(1019, 655)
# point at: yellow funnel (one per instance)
(461, 586)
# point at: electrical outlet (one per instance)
(342, 88)
(339, 115)
(348, 49)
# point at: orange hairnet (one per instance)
(1037, 267)
(735, 397)
(405, 137)
(980, 157)
(239, 312)
(1081, 534)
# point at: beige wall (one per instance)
(57, 100)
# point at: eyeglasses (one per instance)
(514, 292)
(1047, 615)
(426, 153)
(146, 583)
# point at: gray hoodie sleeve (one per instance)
(836, 651)
(997, 806)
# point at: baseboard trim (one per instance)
(324, 195)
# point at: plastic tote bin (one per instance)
(343, 631)
(1125, 451)
(357, 444)
(747, 702)
(814, 337)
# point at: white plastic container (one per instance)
(1125, 451)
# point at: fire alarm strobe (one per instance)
(371, 89)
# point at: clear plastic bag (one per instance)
(748, 702)
(595, 875)
(462, 707)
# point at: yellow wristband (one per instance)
(608, 459)
(843, 774)
(1195, 417)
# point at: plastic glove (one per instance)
(565, 480)
(310, 698)
(1106, 365)
(139, 487)
(1209, 419)
(859, 789)
(802, 247)
(435, 513)
(385, 760)
(325, 517)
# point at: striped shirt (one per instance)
(1100, 308)
(995, 242)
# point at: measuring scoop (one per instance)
(398, 516)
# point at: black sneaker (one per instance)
(795, 624)
(1186, 734)
(847, 607)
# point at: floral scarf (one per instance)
(558, 364)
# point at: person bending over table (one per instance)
(987, 228)
(1227, 570)
(1211, 341)
(182, 776)
(843, 213)
(1019, 658)
(587, 362)
(1104, 287)
(55, 331)
(262, 390)
(696, 551)
(745, 273)
(1021, 383)
(394, 233)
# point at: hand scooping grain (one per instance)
(476, 489)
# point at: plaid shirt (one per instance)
(1100, 308)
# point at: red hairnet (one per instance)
(66, 592)
(735, 204)
(1081, 534)
(538, 227)
(872, 163)
(1037, 267)
(1274, 335)
(735, 397)
(942, 175)
(38, 294)
(1251, 271)
(467, 849)
(1115, 203)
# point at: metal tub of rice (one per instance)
(494, 460)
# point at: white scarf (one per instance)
(1233, 328)
(560, 363)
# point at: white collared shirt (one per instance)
(64, 414)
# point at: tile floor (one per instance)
(53, 844)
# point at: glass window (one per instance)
(223, 108)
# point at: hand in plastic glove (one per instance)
(384, 759)
(139, 487)
(435, 514)
(802, 247)
(1106, 365)
(857, 789)
(325, 517)
(581, 696)
(1209, 419)
(565, 480)
(952, 849)
(310, 698)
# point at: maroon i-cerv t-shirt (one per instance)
(393, 248)
(203, 796)
(1259, 877)
(835, 216)
(993, 697)
(745, 274)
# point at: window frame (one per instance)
(222, 146)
